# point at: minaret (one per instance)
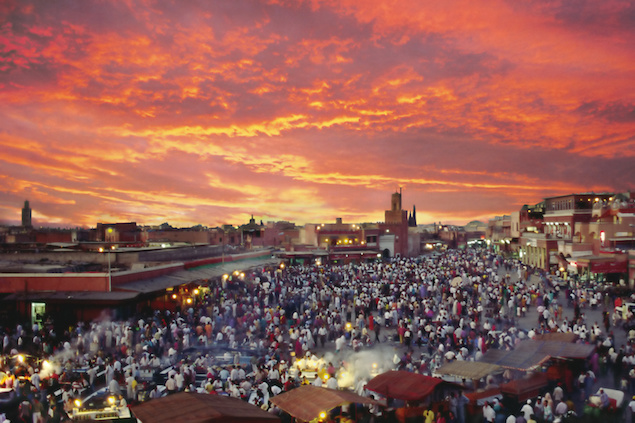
(26, 215)
(414, 215)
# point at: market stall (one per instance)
(463, 371)
(200, 408)
(309, 402)
(417, 391)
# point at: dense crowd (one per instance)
(453, 306)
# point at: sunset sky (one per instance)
(206, 112)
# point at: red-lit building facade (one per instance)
(585, 235)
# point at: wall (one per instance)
(192, 237)
(29, 282)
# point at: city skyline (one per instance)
(209, 113)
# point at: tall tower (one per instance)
(395, 201)
(396, 214)
(412, 219)
(26, 215)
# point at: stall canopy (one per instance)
(200, 408)
(526, 388)
(530, 354)
(468, 369)
(557, 337)
(404, 385)
(307, 402)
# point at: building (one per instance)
(499, 232)
(393, 231)
(252, 234)
(120, 233)
(195, 235)
(585, 236)
(79, 285)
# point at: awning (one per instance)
(182, 277)
(568, 337)
(307, 402)
(530, 354)
(200, 408)
(154, 284)
(563, 349)
(468, 369)
(527, 387)
(479, 398)
(516, 359)
(610, 267)
(404, 385)
(602, 264)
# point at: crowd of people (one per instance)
(242, 334)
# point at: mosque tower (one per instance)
(26, 215)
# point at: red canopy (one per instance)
(403, 385)
(307, 402)
(200, 408)
(526, 388)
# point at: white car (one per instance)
(624, 309)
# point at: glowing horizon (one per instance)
(306, 111)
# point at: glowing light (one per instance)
(78, 403)
(21, 358)
(174, 296)
(322, 415)
(196, 291)
(111, 400)
(189, 301)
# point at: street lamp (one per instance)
(222, 245)
(101, 250)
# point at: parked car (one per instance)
(624, 309)
(613, 413)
